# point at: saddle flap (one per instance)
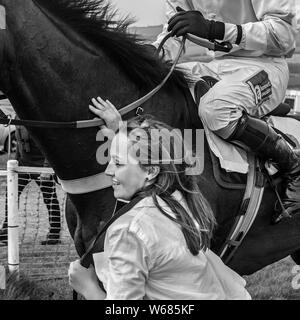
(225, 179)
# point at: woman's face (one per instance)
(127, 175)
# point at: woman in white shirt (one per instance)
(160, 248)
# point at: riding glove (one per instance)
(194, 23)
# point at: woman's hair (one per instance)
(157, 144)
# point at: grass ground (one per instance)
(274, 282)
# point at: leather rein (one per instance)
(136, 105)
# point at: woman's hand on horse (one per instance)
(106, 111)
(85, 281)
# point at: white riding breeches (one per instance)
(254, 85)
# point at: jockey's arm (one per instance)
(273, 34)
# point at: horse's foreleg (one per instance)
(71, 217)
(74, 226)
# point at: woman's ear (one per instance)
(153, 172)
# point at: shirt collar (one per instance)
(148, 201)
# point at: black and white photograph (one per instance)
(149, 151)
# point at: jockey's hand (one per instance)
(194, 23)
(108, 112)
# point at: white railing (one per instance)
(28, 225)
(13, 217)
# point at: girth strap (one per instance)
(248, 211)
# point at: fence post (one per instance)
(13, 224)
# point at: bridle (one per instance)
(136, 105)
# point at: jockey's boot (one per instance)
(263, 140)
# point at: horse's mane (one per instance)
(96, 21)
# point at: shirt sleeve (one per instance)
(127, 265)
(274, 33)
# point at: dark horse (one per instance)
(57, 54)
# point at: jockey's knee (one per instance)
(207, 113)
(219, 116)
(228, 131)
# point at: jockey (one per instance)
(251, 80)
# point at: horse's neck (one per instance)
(54, 79)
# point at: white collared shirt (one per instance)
(146, 257)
